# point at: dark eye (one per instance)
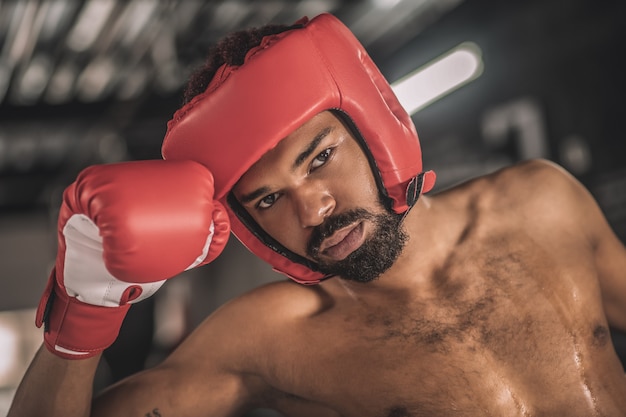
(321, 159)
(267, 201)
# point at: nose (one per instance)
(313, 205)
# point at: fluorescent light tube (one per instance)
(440, 77)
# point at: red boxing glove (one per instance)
(123, 230)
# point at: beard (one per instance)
(375, 256)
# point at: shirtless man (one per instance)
(492, 298)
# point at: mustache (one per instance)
(331, 225)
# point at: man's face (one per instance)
(315, 194)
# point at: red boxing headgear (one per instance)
(285, 81)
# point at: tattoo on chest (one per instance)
(154, 413)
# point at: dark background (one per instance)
(558, 63)
(552, 86)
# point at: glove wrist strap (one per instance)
(75, 330)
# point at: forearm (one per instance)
(53, 386)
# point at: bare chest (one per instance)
(510, 332)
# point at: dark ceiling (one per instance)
(96, 81)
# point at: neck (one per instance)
(430, 242)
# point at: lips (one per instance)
(343, 242)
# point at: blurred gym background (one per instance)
(84, 82)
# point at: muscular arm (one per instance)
(206, 376)
(173, 389)
(201, 378)
(577, 207)
(55, 387)
(610, 256)
(609, 252)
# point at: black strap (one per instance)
(414, 189)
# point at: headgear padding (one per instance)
(285, 81)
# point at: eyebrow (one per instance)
(310, 148)
(247, 198)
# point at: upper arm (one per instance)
(608, 252)
(172, 391)
(610, 259)
(210, 374)
(578, 212)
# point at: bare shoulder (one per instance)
(250, 325)
(537, 188)
(534, 178)
(276, 303)
(222, 367)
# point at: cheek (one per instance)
(358, 183)
(284, 226)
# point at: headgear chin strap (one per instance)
(285, 81)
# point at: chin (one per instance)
(374, 257)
